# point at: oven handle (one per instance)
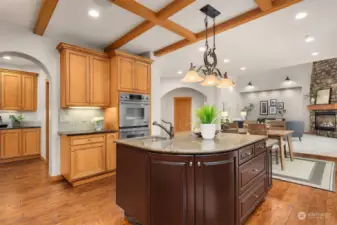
(135, 135)
(134, 103)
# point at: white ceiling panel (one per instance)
(20, 12)
(193, 19)
(71, 22)
(271, 42)
(154, 5)
(151, 40)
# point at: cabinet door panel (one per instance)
(111, 151)
(10, 144)
(99, 82)
(29, 87)
(216, 189)
(125, 75)
(172, 195)
(142, 77)
(10, 91)
(87, 160)
(30, 141)
(77, 79)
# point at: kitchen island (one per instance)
(191, 181)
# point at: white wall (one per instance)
(292, 99)
(300, 76)
(167, 103)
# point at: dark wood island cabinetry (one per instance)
(159, 183)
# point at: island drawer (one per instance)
(246, 154)
(250, 170)
(82, 140)
(250, 199)
(260, 147)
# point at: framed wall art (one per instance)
(263, 107)
(273, 102)
(280, 105)
(272, 110)
(323, 96)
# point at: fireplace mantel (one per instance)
(322, 107)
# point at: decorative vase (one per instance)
(208, 131)
(312, 101)
(99, 125)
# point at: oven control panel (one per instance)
(134, 97)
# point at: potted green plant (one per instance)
(208, 117)
(16, 121)
(247, 109)
(312, 96)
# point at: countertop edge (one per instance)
(18, 128)
(79, 133)
(177, 152)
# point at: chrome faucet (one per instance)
(169, 132)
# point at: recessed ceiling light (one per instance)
(301, 15)
(7, 57)
(180, 72)
(309, 38)
(202, 49)
(93, 13)
(315, 53)
(243, 68)
(226, 60)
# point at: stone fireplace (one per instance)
(325, 121)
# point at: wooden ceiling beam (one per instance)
(163, 14)
(264, 5)
(46, 12)
(229, 24)
(148, 14)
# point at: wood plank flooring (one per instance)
(27, 197)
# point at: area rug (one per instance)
(309, 172)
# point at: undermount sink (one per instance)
(154, 138)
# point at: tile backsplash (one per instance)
(29, 118)
(78, 119)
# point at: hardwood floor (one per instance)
(29, 198)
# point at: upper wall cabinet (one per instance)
(131, 73)
(18, 90)
(85, 77)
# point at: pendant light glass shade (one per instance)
(210, 80)
(225, 83)
(192, 77)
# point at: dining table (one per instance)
(281, 135)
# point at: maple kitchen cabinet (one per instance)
(19, 144)
(85, 77)
(18, 90)
(87, 157)
(130, 73)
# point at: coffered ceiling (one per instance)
(273, 41)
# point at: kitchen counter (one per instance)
(23, 127)
(188, 143)
(85, 132)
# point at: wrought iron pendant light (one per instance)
(212, 75)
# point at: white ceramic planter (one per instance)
(208, 131)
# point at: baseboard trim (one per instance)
(43, 160)
(19, 159)
(92, 179)
(55, 178)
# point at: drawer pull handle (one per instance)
(191, 164)
(256, 196)
(256, 170)
(247, 154)
(199, 164)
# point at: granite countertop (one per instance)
(85, 132)
(188, 143)
(23, 127)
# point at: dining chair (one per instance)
(261, 129)
(278, 125)
(232, 128)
